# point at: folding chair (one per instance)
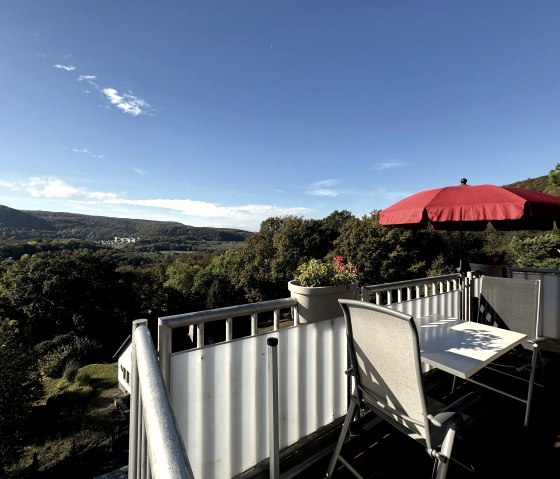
(514, 304)
(385, 364)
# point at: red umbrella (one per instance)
(471, 208)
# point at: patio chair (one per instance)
(385, 364)
(514, 304)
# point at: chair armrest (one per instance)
(550, 344)
(454, 410)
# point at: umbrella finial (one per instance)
(463, 181)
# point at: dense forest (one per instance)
(66, 299)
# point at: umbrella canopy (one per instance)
(471, 208)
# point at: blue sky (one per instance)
(225, 113)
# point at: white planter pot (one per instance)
(321, 302)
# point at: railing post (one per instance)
(273, 433)
(164, 352)
(135, 426)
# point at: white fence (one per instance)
(218, 392)
(219, 395)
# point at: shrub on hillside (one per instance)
(72, 348)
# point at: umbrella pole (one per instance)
(461, 250)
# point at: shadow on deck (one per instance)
(497, 444)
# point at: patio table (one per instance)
(462, 348)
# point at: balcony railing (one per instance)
(218, 392)
(156, 449)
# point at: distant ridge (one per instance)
(47, 224)
(12, 218)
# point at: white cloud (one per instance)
(203, 209)
(89, 79)
(86, 152)
(324, 188)
(50, 188)
(126, 102)
(140, 171)
(68, 68)
(387, 165)
(7, 184)
(68, 197)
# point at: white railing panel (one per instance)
(219, 394)
(448, 304)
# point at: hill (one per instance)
(12, 218)
(103, 228)
(540, 183)
(17, 225)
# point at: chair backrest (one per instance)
(510, 303)
(385, 356)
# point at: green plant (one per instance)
(315, 273)
(71, 369)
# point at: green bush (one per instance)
(82, 378)
(71, 369)
(70, 348)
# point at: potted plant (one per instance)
(318, 285)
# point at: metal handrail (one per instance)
(167, 323)
(156, 448)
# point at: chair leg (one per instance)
(531, 383)
(444, 456)
(342, 436)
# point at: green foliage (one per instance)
(216, 285)
(71, 369)
(439, 267)
(64, 353)
(270, 258)
(541, 251)
(19, 388)
(315, 273)
(387, 254)
(554, 176)
(82, 378)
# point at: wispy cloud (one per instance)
(126, 102)
(387, 165)
(204, 209)
(89, 79)
(68, 68)
(8, 185)
(140, 171)
(324, 188)
(184, 210)
(85, 151)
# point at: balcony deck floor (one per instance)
(497, 444)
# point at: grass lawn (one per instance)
(78, 430)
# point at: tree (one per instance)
(554, 175)
(19, 387)
(67, 291)
(541, 251)
(384, 254)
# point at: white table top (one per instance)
(462, 347)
